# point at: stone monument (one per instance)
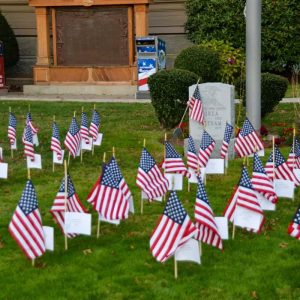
(218, 106)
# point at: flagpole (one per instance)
(98, 225)
(53, 165)
(165, 159)
(142, 200)
(11, 149)
(175, 268)
(66, 197)
(113, 152)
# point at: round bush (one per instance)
(169, 94)
(11, 49)
(203, 61)
(273, 89)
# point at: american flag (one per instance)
(29, 122)
(243, 196)
(261, 182)
(297, 153)
(196, 107)
(55, 141)
(208, 231)
(173, 230)
(173, 162)
(269, 167)
(248, 140)
(26, 224)
(282, 170)
(293, 160)
(95, 123)
(294, 226)
(107, 197)
(28, 143)
(84, 127)
(149, 178)
(72, 141)
(192, 158)
(59, 207)
(207, 146)
(12, 128)
(227, 135)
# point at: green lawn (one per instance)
(119, 264)
(289, 93)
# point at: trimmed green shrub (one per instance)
(224, 20)
(200, 60)
(11, 49)
(232, 61)
(273, 88)
(169, 94)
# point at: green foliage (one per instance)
(224, 20)
(169, 94)
(11, 49)
(273, 89)
(232, 61)
(202, 61)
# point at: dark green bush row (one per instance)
(169, 94)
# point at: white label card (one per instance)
(3, 170)
(284, 188)
(98, 142)
(14, 145)
(297, 173)
(36, 164)
(175, 181)
(246, 218)
(215, 166)
(87, 146)
(193, 178)
(189, 252)
(115, 222)
(265, 204)
(222, 224)
(35, 140)
(131, 205)
(55, 158)
(145, 197)
(79, 223)
(49, 237)
(1, 154)
(259, 153)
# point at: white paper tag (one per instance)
(264, 203)
(193, 178)
(49, 237)
(188, 252)
(297, 173)
(1, 154)
(36, 164)
(78, 223)
(259, 153)
(78, 150)
(284, 188)
(98, 142)
(222, 224)
(145, 197)
(115, 222)
(3, 170)
(55, 158)
(14, 145)
(246, 218)
(87, 146)
(131, 205)
(215, 166)
(175, 181)
(35, 140)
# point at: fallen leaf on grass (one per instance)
(40, 265)
(254, 294)
(1, 245)
(283, 245)
(87, 251)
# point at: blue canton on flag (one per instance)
(115, 170)
(84, 120)
(174, 209)
(171, 152)
(74, 128)
(147, 162)
(12, 120)
(245, 179)
(55, 131)
(257, 165)
(28, 135)
(108, 178)
(206, 140)
(28, 202)
(191, 145)
(96, 118)
(279, 159)
(228, 132)
(70, 186)
(247, 128)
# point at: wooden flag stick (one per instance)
(175, 268)
(74, 115)
(200, 248)
(9, 109)
(113, 152)
(29, 107)
(98, 225)
(33, 262)
(28, 174)
(69, 158)
(233, 231)
(94, 106)
(142, 203)
(144, 143)
(66, 199)
(53, 118)
(82, 109)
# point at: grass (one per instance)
(119, 264)
(289, 93)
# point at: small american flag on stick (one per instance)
(84, 129)
(207, 146)
(269, 167)
(294, 226)
(28, 143)
(192, 158)
(29, 122)
(226, 140)
(95, 123)
(72, 141)
(12, 128)
(55, 141)
(196, 107)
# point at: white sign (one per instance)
(175, 181)
(49, 237)
(297, 173)
(3, 170)
(284, 188)
(14, 145)
(79, 223)
(259, 153)
(78, 150)
(145, 197)
(189, 252)
(85, 145)
(115, 222)
(36, 164)
(194, 178)
(246, 218)
(98, 142)
(55, 158)
(215, 166)
(265, 204)
(35, 140)
(222, 224)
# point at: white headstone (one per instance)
(218, 107)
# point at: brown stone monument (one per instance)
(88, 41)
